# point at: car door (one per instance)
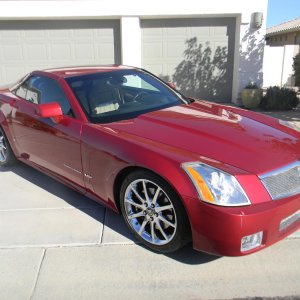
(54, 146)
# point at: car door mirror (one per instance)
(50, 110)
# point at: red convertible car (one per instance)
(178, 169)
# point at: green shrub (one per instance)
(277, 98)
(296, 67)
(251, 86)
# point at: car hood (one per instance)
(246, 140)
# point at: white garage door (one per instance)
(31, 45)
(195, 54)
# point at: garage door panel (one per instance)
(200, 31)
(153, 51)
(36, 52)
(220, 30)
(9, 35)
(170, 46)
(31, 45)
(84, 33)
(217, 44)
(104, 33)
(155, 68)
(59, 34)
(174, 49)
(60, 51)
(13, 53)
(10, 72)
(84, 51)
(150, 32)
(104, 53)
(34, 34)
(170, 32)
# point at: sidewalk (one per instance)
(57, 244)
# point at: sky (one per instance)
(280, 11)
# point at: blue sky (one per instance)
(280, 11)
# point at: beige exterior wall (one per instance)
(278, 62)
(247, 47)
(281, 48)
(281, 39)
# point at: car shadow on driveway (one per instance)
(114, 231)
(290, 115)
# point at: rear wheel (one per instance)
(154, 212)
(7, 156)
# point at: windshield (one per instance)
(120, 95)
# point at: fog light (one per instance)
(252, 241)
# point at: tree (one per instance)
(296, 67)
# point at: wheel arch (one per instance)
(121, 177)
(7, 131)
(4, 126)
(130, 169)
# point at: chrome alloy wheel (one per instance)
(150, 212)
(3, 148)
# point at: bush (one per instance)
(251, 86)
(277, 98)
(296, 67)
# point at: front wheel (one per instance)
(7, 156)
(154, 212)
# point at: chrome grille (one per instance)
(283, 182)
(290, 220)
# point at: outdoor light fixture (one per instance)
(256, 19)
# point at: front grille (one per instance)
(283, 182)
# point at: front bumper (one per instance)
(219, 230)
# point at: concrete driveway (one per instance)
(292, 116)
(57, 244)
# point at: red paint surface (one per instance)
(242, 143)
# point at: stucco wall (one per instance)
(248, 45)
(252, 45)
(278, 65)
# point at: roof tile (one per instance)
(286, 26)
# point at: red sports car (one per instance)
(178, 169)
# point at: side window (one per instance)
(21, 91)
(27, 93)
(50, 91)
(39, 90)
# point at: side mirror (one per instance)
(50, 110)
(171, 85)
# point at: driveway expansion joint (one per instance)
(102, 232)
(38, 273)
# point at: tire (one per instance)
(7, 157)
(156, 217)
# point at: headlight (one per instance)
(215, 186)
